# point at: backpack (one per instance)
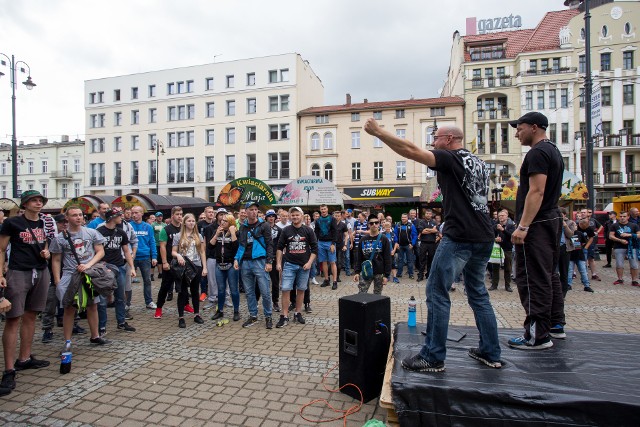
(366, 270)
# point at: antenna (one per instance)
(215, 56)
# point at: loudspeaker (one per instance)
(365, 335)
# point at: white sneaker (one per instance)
(314, 281)
(152, 305)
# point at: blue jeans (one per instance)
(119, 299)
(405, 257)
(347, 259)
(582, 268)
(252, 270)
(145, 269)
(222, 278)
(450, 259)
(294, 276)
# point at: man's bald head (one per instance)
(448, 138)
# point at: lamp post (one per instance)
(158, 148)
(29, 84)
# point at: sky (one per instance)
(374, 49)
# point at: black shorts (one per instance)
(27, 291)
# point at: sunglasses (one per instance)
(374, 222)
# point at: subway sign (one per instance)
(363, 193)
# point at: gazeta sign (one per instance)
(504, 23)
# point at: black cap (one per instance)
(532, 118)
(60, 218)
(112, 213)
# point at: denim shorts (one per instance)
(294, 274)
(620, 255)
(324, 252)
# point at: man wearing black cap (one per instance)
(537, 235)
(25, 285)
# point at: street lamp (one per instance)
(158, 148)
(29, 84)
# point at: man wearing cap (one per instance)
(25, 285)
(254, 259)
(212, 289)
(274, 274)
(158, 225)
(116, 255)
(102, 210)
(537, 235)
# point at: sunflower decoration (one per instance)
(510, 189)
(230, 196)
(578, 192)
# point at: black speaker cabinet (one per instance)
(364, 343)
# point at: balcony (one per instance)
(547, 71)
(633, 177)
(501, 81)
(613, 177)
(611, 141)
(171, 177)
(61, 174)
(190, 177)
(493, 148)
(210, 176)
(493, 114)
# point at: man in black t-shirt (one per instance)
(626, 238)
(117, 255)
(537, 235)
(166, 241)
(466, 244)
(427, 233)
(342, 234)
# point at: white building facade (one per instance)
(212, 123)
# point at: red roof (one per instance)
(544, 37)
(407, 103)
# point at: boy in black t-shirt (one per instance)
(381, 260)
(585, 237)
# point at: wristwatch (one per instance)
(522, 228)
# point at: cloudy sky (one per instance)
(380, 50)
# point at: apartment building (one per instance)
(190, 130)
(334, 145)
(55, 168)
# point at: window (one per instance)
(65, 166)
(117, 118)
(627, 94)
(65, 190)
(134, 172)
(134, 93)
(171, 88)
(628, 124)
(30, 167)
(627, 60)
(583, 34)
(556, 65)
(231, 108)
(355, 139)
(581, 97)
(273, 132)
(627, 28)
(210, 136)
(230, 135)
(605, 61)
(135, 142)
(377, 171)
(251, 79)
(191, 169)
(377, 143)
(135, 117)
(582, 64)
(276, 76)
(504, 133)
(401, 133)
(152, 91)
(540, 100)
(153, 115)
(171, 170)
(284, 165)
(315, 141)
(284, 131)
(116, 94)
(45, 166)
(251, 133)
(328, 171)
(251, 105)
(437, 112)
(191, 111)
(172, 113)
(355, 171)
(565, 133)
(377, 115)
(355, 117)
(323, 119)
(533, 66)
(564, 98)
(208, 83)
(399, 114)
(328, 141)
(284, 102)
(209, 167)
(151, 138)
(500, 72)
(230, 81)
(273, 103)
(45, 189)
(210, 109)
(76, 165)
(401, 169)
(528, 100)
(97, 145)
(153, 172)
(96, 120)
(117, 143)
(273, 165)
(180, 87)
(604, 31)
(251, 165)
(315, 169)
(605, 92)
(189, 86)
(487, 52)
(552, 98)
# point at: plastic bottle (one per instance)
(411, 322)
(65, 362)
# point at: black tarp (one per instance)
(589, 379)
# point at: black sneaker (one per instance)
(250, 322)
(198, 319)
(325, 283)
(47, 336)
(307, 308)
(126, 327)
(276, 307)
(335, 286)
(169, 296)
(8, 379)
(30, 363)
(181, 323)
(475, 354)
(291, 306)
(102, 332)
(269, 322)
(219, 315)
(298, 318)
(557, 332)
(284, 321)
(236, 316)
(99, 341)
(152, 278)
(508, 288)
(78, 330)
(411, 276)
(588, 289)
(417, 363)
(127, 314)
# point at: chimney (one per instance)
(21, 143)
(44, 141)
(64, 138)
(366, 100)
(348, 99)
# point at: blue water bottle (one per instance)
(411, 322)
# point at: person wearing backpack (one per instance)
(374, 249)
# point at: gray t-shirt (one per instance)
(193, 252)
(83, 242)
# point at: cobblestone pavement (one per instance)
(208, 375)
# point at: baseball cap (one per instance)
(251, 203)
(221, 211)
(349, 210)
(296, 208)
(270, 212)
(112, 213)
(159, 214)
(532, 118)
(31, 194)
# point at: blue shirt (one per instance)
(146, 240)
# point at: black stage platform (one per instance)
(589, 379)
